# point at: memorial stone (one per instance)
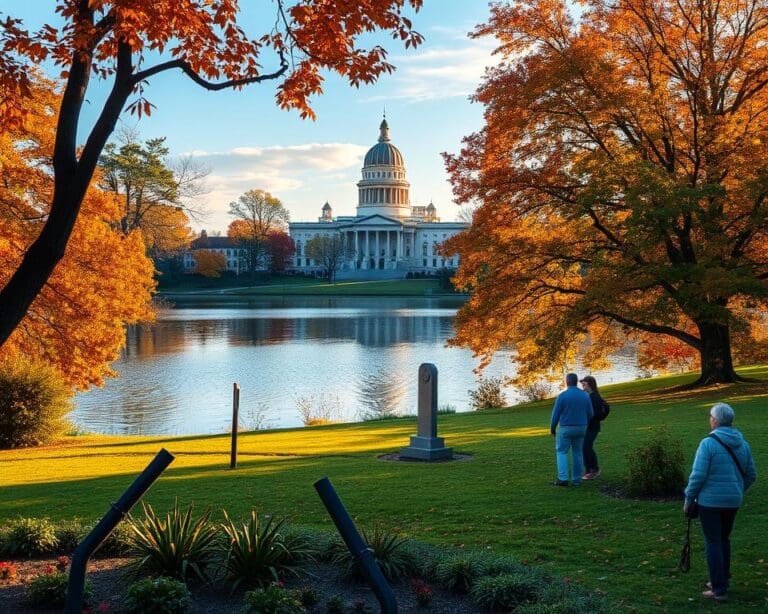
(426, 445)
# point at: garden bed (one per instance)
(315, 571)
(108, 583)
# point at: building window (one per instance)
(425, 262)
(424, 251)
(434, 263)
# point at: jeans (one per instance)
(570, 438)
(716, 524)
(590, 458)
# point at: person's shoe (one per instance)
(595, 474)
(560, 483)
(711, 595)
(589, 475)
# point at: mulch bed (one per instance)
(108, 584)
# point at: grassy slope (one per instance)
(499, 500)
(304, 286)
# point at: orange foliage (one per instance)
(209, 263)
(104, 280)
(622, 182)
(205, 39)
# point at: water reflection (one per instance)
(176, 375)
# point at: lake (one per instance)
(357, 357)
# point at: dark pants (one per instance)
(716, 524)
(590, 458)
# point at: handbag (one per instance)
(693, 511)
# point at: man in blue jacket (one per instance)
(572, 412)
(722, 470)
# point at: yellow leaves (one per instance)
(209, 263)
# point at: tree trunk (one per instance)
(715, 352)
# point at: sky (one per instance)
(247, 142)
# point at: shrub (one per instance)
(157, 596)
(273, 599)
(30, 537)
(335, 605)
(459, 572)
(118, 543)
(389, 551)
(68, 535)
(505, 592)
(49, 590)
(488, 394)
(34, 399)
(656, 466)
(175, 546)
(308, 597)
(534, 391)
(446, 409)
(323, 409)
(257, 553)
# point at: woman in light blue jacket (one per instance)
(722, 470)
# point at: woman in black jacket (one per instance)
(591, 468)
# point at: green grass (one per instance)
(498, 501)
(305, 286)
(397, 287)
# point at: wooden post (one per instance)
(235, 410)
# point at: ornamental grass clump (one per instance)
(34, 400)
(506, 592)
(176, 545)
(389, 550)
(459, 572)
(258, 553)
(656, 466)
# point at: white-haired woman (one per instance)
(722, 470)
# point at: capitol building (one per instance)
(389, 237)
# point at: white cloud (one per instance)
(440, 72)
(302, 176)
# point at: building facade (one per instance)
(222, 245)
(389, 237)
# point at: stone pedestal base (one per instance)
(427, 448)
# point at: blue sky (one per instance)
(249, 143)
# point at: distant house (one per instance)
(223, 245)
(389, 237)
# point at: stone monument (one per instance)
(426, 445)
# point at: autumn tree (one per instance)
(158, 196)
(128, 43)
(257, 214)
(329, 252)
(209, 263)
(280, 247)
(104, 281)
(251, 250)
(622, 175)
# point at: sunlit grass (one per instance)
(499, 500)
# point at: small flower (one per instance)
(8, 571)
(62, 562)
(49, 569)
(103, 607)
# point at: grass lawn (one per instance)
(500, 500)
(396, 287)
(307, 286)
